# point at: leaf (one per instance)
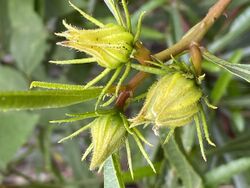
(238, 102)
(59, 8)
(21, 100)
(176, 20)
(28, 40)
(240, 25)
(72, 153)
(15, 128)
(141, 172)
(239, 144)
(10, 79)
(151, 34)
(240, 70)
(112, 173)
(188, 137)
(239, 120)
(178, 160)
(14, 131)
(224, 79)
(223, 173)
(5, 29)
(148, 6)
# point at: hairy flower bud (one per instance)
(110, 45)
(108, 133)
(171, 102)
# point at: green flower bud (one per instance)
(110, 45)
(108, 134)
(171, 102)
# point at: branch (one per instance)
(196, 33)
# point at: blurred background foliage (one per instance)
(29, 153)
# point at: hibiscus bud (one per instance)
(108, 133)
(171, 102)
(110, 45)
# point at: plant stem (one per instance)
(196, 33)
(142, 55)
(193, 36)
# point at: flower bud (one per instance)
(171, 102)
(108, 133)
(110, 45)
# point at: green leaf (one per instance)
(238, 145)
(223, 173)
(5, 30)
(73, 154)
(178, 160)
(239, 120)
(176, 20)
(21, 100)
(10, 79)
(240, 25)
(238, 102)
(59, 8)
(141, 172)
(28, 40)
(14, 131)
(112, 173)
(151, 34)
(148, 7)
(188, 137)
(240, 70)
(224, 79)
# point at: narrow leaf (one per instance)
(148, 7)
(141, 172)
(21, 100)
(238, 102)
(240, 70)
(112, 173)
(239, 26)
(225, 172)
(224, 79)
(178, 160)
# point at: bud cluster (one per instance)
(173, 101)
